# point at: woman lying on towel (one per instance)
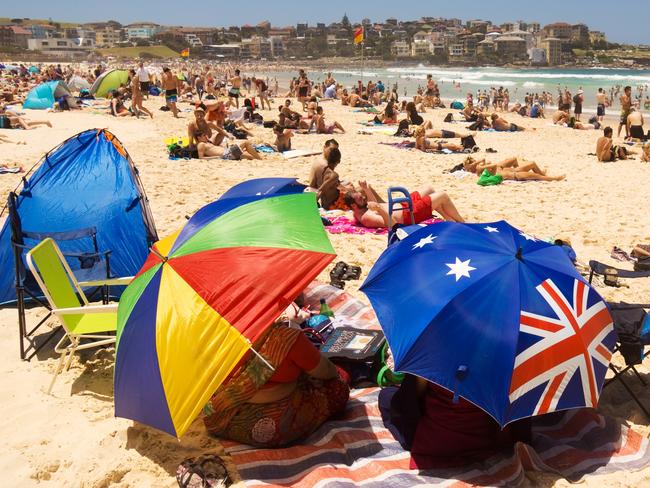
(372, 214)
(424, 144)
(442, 433)
(509, 169)
(271, 408)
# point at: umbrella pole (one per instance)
(262, 358)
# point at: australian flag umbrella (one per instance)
(494, 315)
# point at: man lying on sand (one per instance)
(374, 215)
(502, 125)
(510, 169)
(235, 152)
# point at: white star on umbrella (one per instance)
(528, 237)
(491, 229)
(424, 241)
(460, 269)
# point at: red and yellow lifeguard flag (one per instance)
(206, 293)
(358, 35)
(185, 53)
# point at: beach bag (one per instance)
(642, 264)
(486, 179)
(269, 124)
(4, 122)
(628, 324)
(154, 90)
(449, 118)
(576, 99)
(468, 142)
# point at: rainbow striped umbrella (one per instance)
(205, 294)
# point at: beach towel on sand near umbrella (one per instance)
(495, 316)
(209, 291)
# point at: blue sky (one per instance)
(625, 21)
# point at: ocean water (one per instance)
(457, 82)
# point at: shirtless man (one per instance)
(635, 124)
(136, 96)
(321, 126)
(561, 117)
(602, 101)
(262, 92)
(626, 104)
(170, 86)
(201, 125)
(606, 151)
(235, 89)
(207, 150)
(502, 125)
(374, 215)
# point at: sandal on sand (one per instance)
(203, 472)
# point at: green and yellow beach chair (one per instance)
(81, 320)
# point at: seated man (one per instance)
(373, 214)
(606, 151)
(208, 150)
(561, 117)
(215, 134)
(635, 124)
(502, 125)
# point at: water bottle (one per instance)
(325, 309)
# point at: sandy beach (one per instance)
(71, 438)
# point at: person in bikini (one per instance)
(322, 127)
(136, 95)
(372, 214)
(509, 169)
(424, 144)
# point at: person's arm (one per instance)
(190, 134)
(221, 131)
(376, 217)
(325, 370)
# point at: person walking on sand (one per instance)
(144, 78)
(577, 104)
(171, 90)
(235, 89)
(262, 92)
(626, 104)
(136, 96)
(602, 102)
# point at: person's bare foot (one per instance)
(559, 178)
(49, 124)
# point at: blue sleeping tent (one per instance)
(88, 182)
(44, 95)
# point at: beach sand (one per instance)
(72, 439)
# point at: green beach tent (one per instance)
(107, 81)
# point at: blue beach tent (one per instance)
(44, 95)
(89, 181)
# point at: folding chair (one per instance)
(618, 311)
(80, 320)
(398, 232)
(91, 263)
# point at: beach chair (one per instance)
(81, 320)
(398, 195)
(89, 263)
(623, 312)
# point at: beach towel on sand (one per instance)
(346, 225)
(358, 450)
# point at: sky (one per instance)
(626, 21)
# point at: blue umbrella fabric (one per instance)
(494, 315)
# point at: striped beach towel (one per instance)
(358, 450)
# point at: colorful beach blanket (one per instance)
(345, 225)
(358, 450)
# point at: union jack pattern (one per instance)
(570, 342)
